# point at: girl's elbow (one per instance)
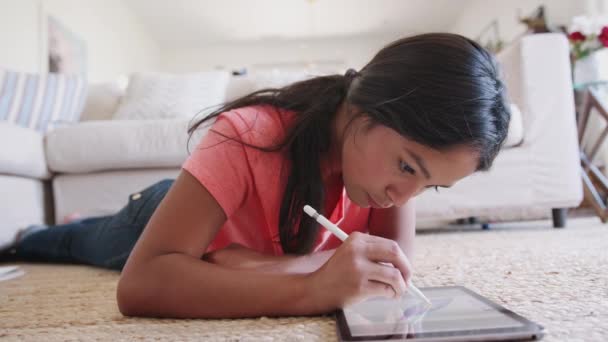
(128, 293)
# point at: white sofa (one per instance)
(543, 172)
(24, 180)
(97, 164)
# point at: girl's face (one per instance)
(381, 168)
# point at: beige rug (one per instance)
(558, 278)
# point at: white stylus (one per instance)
(340, 234)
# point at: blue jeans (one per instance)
(103, 241)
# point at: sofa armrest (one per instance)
(22, 152)
(538, 77)
(537, 72)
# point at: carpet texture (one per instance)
(556, 277)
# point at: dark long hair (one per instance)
(438, 89)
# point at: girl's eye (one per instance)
(404, 167)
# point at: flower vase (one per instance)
(586, 70)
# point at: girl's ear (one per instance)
(363, 122)
(357, 127)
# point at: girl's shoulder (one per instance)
(260, 124)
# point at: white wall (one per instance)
(479, 13)
(19, 35)
(116, 42)
(356, 51)
(596, 7)
(328, 53)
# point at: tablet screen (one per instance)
(453, 309)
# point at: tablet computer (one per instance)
(456, 314)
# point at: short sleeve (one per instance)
(220, 163)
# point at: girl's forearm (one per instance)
(177, 285)
(298, 264)
(240, 257)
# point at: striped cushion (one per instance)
(40, 101)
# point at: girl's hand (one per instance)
(355, 272)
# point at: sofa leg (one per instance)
(559, 217)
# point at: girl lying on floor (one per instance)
(228, 237)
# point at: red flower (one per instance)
(578, 36)
(603, 37)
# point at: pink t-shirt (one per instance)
(249, 183)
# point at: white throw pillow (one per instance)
(102, 101)
(516, 128)
(163, 96)
(41, 101)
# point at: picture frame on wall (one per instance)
(66, 51)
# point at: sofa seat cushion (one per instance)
(102, 193)
(24, 201)
(22, 152)
(119, 145)
(516, 128)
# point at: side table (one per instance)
(595, 183)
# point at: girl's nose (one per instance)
(400, 194)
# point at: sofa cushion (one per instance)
(102, 101)
(40, 101)
(102, 193)
(516, 128)
(238, 86)
(23, 202)
(241, 85)
(119, 144)
(161, 96)
(22, 152)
